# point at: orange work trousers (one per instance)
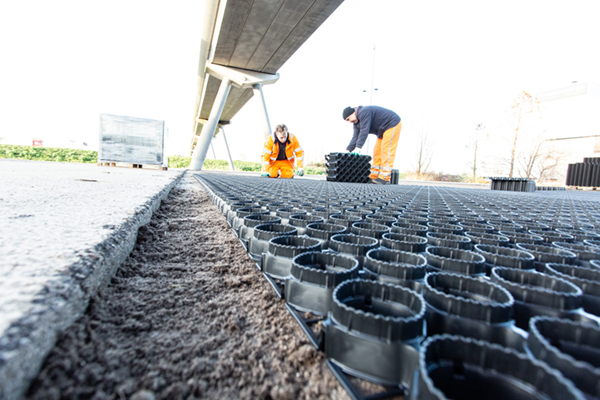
(284, 166)
(384, 153)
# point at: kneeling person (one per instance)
(281, 151)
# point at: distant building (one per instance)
(572, 124)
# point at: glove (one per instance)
(265, 174)
(356, 152)
(300, 171)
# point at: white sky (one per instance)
(447, 65)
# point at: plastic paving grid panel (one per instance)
(347, 167)
(507, 218)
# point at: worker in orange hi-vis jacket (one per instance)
(386, 125)
(281, 151)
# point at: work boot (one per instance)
(380, 181)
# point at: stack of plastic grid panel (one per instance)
(586, 174)
(511, 184)
(348, 167)
(550, 188)
(395, 177)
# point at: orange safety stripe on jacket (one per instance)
(293, 152)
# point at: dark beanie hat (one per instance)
(347, 112)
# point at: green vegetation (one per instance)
(48, 154)
(91, 157)
(184, 162)
(87, 156)
(310, 170)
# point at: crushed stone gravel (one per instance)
(187, 316)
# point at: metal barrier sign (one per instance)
(131, 140)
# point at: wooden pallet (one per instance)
(583, 188)
(131, 165)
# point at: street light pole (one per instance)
(478, 127)
(371, 93)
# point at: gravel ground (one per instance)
(187, 316)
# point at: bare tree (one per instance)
(540, 159)
(523, 114)
(474, 144)
(547, 165)
(530, 159)
(423, 152)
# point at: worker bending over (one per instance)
(386, 125)
(281, 150)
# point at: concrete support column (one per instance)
(267, 125)
(208, 130)
(231, 167)
(213, 150)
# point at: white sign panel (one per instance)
(131, 140)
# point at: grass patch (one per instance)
(249, 166)
(48, 154)
(91, 157)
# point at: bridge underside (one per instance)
(257, 36)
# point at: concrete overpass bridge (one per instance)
(244, 43)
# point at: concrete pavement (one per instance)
(64, 230)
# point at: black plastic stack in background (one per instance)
(511, 184)
(395, 177)
(550, 188)
(586, 174)
(347, 167)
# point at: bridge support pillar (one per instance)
(208, 131)
(266, 123)
(231, 167)
(213, 150)
(240, 79)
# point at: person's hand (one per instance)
(265, 174)
(300, 171)
(356, 151)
